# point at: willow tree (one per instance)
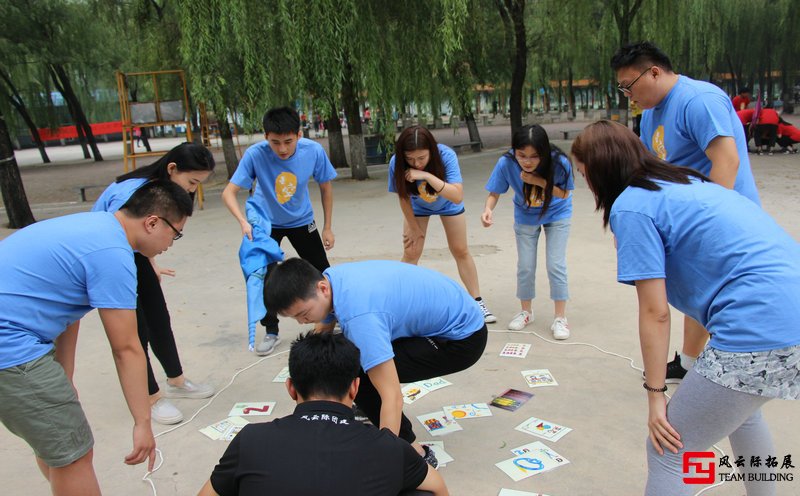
(512, 12)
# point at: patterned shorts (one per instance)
(772, 373)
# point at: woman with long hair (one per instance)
(541, 177)
(719, 258)
(427, 179)
(187, 165)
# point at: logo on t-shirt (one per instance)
(423, 192)
(537, 199)
(285, 187)
(658, 143)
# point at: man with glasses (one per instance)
(51, 274)
(689, 123)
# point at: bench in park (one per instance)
(475, 145)
(82, 190)
(570, 131)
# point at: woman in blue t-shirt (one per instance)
(427, 179)
(541, 177)
(720, 259)
(187, 165)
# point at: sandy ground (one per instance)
(599, 395)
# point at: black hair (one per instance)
(162, 198)
(323, 365)
(640, 55)
(186, 156)
(281, 120)
(411, 139)
(549, 158)
(292, 280)
(614, 158)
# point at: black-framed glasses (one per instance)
(626, 90)
(178, 234)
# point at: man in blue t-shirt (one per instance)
(410, 324)
(283, 166)
(51, 274)
(689, 123)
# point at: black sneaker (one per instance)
(429, 457)
(675, 370)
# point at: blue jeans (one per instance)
(556, 235)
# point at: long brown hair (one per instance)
(411, 139)
(614, 158)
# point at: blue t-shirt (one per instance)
(424, 203)
(692, 114)
(117, 194)
(54, 272)
(379, 301)
(506, 173)
(284, 183)
(727, 264)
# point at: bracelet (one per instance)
(444, 183)
(655, 390)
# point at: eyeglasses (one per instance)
(526, 159)
(626, 90)
(178, 234)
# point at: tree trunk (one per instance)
(19, 104)
(472, 126)
(17, 208)
(571, 93)
(65, 87)
(336, 151)
(358, 152)
(516, 9)
(228, 148)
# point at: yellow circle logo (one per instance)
(285, 187)
(423, 192)
(658, 143)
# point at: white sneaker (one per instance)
(165, 412)
(268, 345)
(488, 317)
(560, 328)
(520, 320)
(188, 390)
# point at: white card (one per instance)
(282, 375)
(252, 409)
(515, 350)
(537, 458)
(471, 410)
(412, 392)
(437, 424)
(543, 429)
(224, 430)
(513, 492)
(442, 456)
(434, 384)
(539, 378)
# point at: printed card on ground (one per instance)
(535, 459)
(543, 429)
(539, 378)
(434, 384)
(511, 400)
(438, 424)
(282, 375)
(416, 390)
(224, 430)
(470, 410)
(442, 456)
(513, 492)
(515, 350)
(251, 409)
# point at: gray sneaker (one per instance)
(189, 390)
(268, 345)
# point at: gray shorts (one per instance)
(38, 404)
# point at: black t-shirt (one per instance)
(319, 449)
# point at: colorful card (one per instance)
(539, 378)
(282, 375)
(434, 384)
(543, 429)
(471, 410)
(511, 399)
(536, 458)
(513, 492)
(442, 456)
(515, 350)
(224, 430)
(252, 409)
(438, 424)
(416, 390)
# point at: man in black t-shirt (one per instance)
(321, 448)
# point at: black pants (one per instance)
(308, 245)
(152, 318)
(418, 359)
(785, 141)
(766, 134)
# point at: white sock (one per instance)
(687, 362)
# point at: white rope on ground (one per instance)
(631, 364)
